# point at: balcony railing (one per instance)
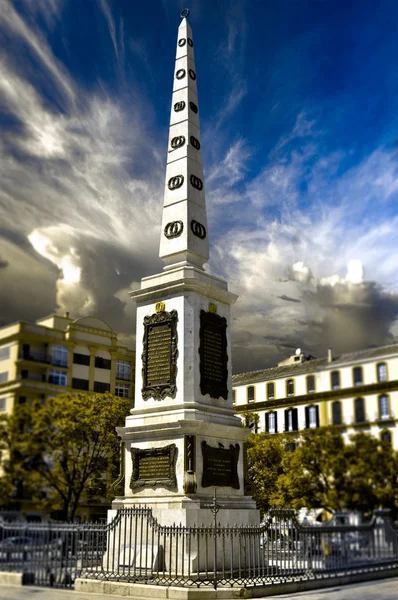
(35, 355)
(123, 376)
(32, 377)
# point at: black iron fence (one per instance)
(135, 547)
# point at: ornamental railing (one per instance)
(135, 547)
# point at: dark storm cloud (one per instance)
(351, 316)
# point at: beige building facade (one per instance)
(356, 392)
(57, 354)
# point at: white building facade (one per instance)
(355, 392)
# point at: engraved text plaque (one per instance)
(213, 355)
(220, 466)
(159, 356)
(154, 467)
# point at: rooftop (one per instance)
(312, 365)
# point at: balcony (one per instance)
(385, 417)
(32, 377)
(123, 376)
(39, 355)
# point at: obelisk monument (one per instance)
(182, 438)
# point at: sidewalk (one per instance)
(386, 589)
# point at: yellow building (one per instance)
(356, 392)
(57, 354)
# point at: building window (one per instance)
(271, 422)
(81, 359)
(312, 416)
(3, 376)
(250, 393)
(382, 372)
(270, 391)
(233, 396)
(59, 355)
(386, 436)
(102, 363)
(357, 375)
(101, 387)
(57, 377)
(335, 380)
(384, 408)
(4, 352)
(336, 413)
(291, 419)
(359, 407)
(3, 403)
(123, 369)
(290, 387)
(122, 390)
(310, 384)
(79, 384)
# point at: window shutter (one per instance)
(286, 420)
(276, 422)
(266, 422)
(307, 417)
(317, 416)
(295, 419)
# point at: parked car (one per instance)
(18, 542)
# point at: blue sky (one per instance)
(298, 104)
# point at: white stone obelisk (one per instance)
(182, 438)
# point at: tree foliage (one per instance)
(62, 451)
(323, 472)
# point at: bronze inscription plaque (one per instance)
(154, 467)
(159, 355)
(158, 368)
(220, 466)
(213, 355)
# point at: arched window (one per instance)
(357, 375)
(385, 436)
(335, 380)
(270, 391)
(359, 406)
(290, 387)
(310, 384)
(382, 372)
(312, 416)
(336, 413)
(384, 408)
(250, 393)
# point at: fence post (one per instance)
(214, 507)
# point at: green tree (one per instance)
(323, 472)
(264, 467)
(314, 475)
(371, 476)
(64, 450)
